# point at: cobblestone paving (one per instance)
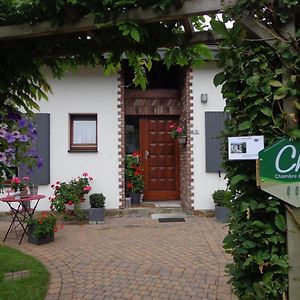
(135, 258)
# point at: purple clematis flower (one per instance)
(10, 138)
(23, 138)
(22, 123)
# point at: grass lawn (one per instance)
(33, 287)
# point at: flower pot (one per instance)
(135, 198)
(97, 215)
(38, 240)
(33, 190)
(182, 140)
(222, 214)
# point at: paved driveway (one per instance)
(135, 258)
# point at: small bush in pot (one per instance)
(97, 210)
(222, 200)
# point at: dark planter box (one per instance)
(97, 215)
(222, 214)
(135, 198)
(38, 241)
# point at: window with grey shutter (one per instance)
(214, 125)
(41, 175)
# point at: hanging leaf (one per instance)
(218, 79)
(275, 83)
(245, 125)
(237, 179)
(280, 222)
(266, 111)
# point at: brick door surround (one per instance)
(162, 102)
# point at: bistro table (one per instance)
(21, 211)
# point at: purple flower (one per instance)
(22, 123)
(2, 157)
(23, 138)
(16, 134)
(10, 151)
(10, 138)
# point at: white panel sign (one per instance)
(245, 147)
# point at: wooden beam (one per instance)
(188, 26)
(87, 23)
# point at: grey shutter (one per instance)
(41, 175)
(214, 125)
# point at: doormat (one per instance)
(165, 220)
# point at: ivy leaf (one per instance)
(245, 125)
(219, 27)
(267, 278)
(279, 97)
(259, 290)
(280, 222)
(249, 244)
(134, 33)
(258, 224)
(237, 179)
(275, 83)
(294, 133)
(266, 111)
(219, 78)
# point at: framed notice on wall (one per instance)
(245, 147)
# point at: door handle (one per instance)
(147, 154)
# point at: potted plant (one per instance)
(97, 210)
(222, 200)
(41, 229)
(68, 196)
(134, 177)
(179, 133)
(33, 188)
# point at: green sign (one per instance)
(279, 166)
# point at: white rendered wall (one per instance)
(204, 183)
(85, 91)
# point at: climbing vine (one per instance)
(22, 83)
(259, 76)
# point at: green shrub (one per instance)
(222, 198)
(97, 200)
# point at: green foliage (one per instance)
(44, 225)
(222, 198)
(97, 200)
(67, 194)
(134, 173)
(258, 77)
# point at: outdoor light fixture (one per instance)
(204, 98)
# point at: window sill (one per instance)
(83, 150)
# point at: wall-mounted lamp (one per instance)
(204, 98)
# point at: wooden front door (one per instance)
(160, 159)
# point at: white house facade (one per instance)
(125, 119)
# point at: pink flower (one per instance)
(179, 130)
(85, 174)
(25, 178)
(69, 202)
(87, 188)
(15, 180)
(90, 178)
(172, 126)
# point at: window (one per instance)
(132, 135)
(83, 132)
